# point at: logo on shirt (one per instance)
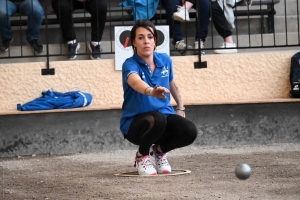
(164, 72)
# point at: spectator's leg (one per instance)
(63, 10)
(223, 28)
(174, 26)
(203, 15)
(202, 21)
(34, 11)
(220, 21)
(98, 10)
(7, 8)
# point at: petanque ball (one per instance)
(243, 171)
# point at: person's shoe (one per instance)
(73, 48)
(181, 47)
(95, 50)
(36, 46)
(5, 44)
(162, 164)
(196, 46)
(226, 48)
(181, 14)
(238, 2)
(145, 166)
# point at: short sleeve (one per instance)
(128, 68)
(171, 76)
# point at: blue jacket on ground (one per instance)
(142, 9)
(57, 100)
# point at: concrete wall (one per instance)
(92, 131)
(227, 78)
(231, 102)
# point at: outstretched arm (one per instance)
(180, 110)
(140, 86)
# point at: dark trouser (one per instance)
(154, 128)
(65, 8)
(220, 21)
(203, 15)
(174, 26)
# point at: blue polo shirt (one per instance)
(136, 103)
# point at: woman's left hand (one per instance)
(180, 113)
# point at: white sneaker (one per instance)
(162, 164)
(227, 47)
(181, 14)
(145, 166)
(196, 46)
(180, 45)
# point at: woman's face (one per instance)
(144, 42)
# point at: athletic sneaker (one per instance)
(162, 164)
(5, 44)
(73, 48)
(95, 50)
(144, 166)
(36, 46)
(196, 46)
(180, 45)
(181, 14)
(227, 47)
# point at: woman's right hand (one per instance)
(159, 92)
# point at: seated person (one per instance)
(97, 9)
(222, 22)
(174, 25)
(33, 10)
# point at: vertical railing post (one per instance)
(47, 71)
(199, 64)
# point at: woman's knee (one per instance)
(191, 132)
(159, 119)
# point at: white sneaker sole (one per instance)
(225, 51)
(179, 18)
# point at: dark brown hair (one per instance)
(144, 23)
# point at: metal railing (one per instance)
(255, 28)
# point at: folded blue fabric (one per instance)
(57, 100)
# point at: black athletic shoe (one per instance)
(4, 46)
(73, 48)
(95, 50)
(36, 46)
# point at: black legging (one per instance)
(65, 8)
(154, 128)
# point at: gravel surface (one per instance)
(275, 175)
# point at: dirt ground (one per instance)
(275, 175)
